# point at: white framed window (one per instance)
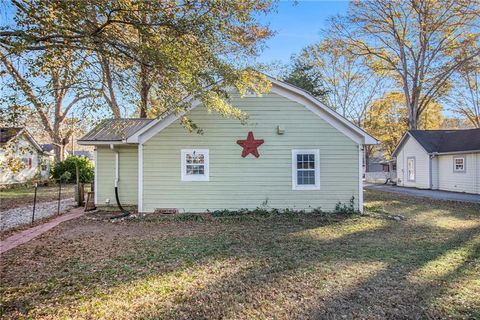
(305, 169)
(411, 168)
(195, 165)
(459, 164)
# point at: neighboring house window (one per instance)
(306, 169)
(195, 165)
(459, 164)
(27, 162)
(411, 169)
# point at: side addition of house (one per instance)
(439, 159)
(293, 153)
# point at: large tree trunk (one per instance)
(412, 115)
(111, 98)
(144, 90)
(59, 149)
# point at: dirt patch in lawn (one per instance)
(281, 267)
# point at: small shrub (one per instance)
(260, 212)
(318, 211)
(85, 167)
(185, 217)
(229, 213)
(343, 208)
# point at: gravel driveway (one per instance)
(23, 215)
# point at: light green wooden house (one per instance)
(311, 157)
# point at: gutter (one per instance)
(455, 152)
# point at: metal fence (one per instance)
(380, 176)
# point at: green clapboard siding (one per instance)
(128, 183)
(237, 182)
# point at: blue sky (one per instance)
(297, 25)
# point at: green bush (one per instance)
(65, 170)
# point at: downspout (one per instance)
(431, 156)
(124, 213)
(430, 171)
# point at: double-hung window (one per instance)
(195, 165)
(459, 164)
(306, 169)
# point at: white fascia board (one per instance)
(454, 152)
(157, 125)
(319, 112)
(30, 138)
(160, 124)
(283, 89)
(367, 139)
(96, 143)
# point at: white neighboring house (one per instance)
(18, 149)
(440, 160)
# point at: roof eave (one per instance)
(100, 142)
(453, 152)
(397, 148)
(367, 138)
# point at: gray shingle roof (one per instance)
(115, 129)
(448, 140)
(7, 134)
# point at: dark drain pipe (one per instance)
(124, 213)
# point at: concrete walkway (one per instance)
(432, 194)
(27, 235)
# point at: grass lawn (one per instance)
(23, 196)
(255, 267)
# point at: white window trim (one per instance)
(464, 165)
(414, 169)
(183, 165)
(315, 186)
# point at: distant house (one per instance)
(21, 157)
(379, 170)
(49, 150)
(294, 152)
(82, 153)
(379, 164)
(439, 159)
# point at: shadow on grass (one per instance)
(282, 267)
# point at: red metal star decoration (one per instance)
(250, 145)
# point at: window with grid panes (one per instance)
(305, 169)
(195, 165)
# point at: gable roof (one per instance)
(47, 147)
(114, 130)
(107, 132)
(445, 141)
(283, 89)
(8, 134)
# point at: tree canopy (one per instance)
(170, 49)
(418, 43)
(350, 85)
(305, 76)
(151, 55)
(387, 120)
